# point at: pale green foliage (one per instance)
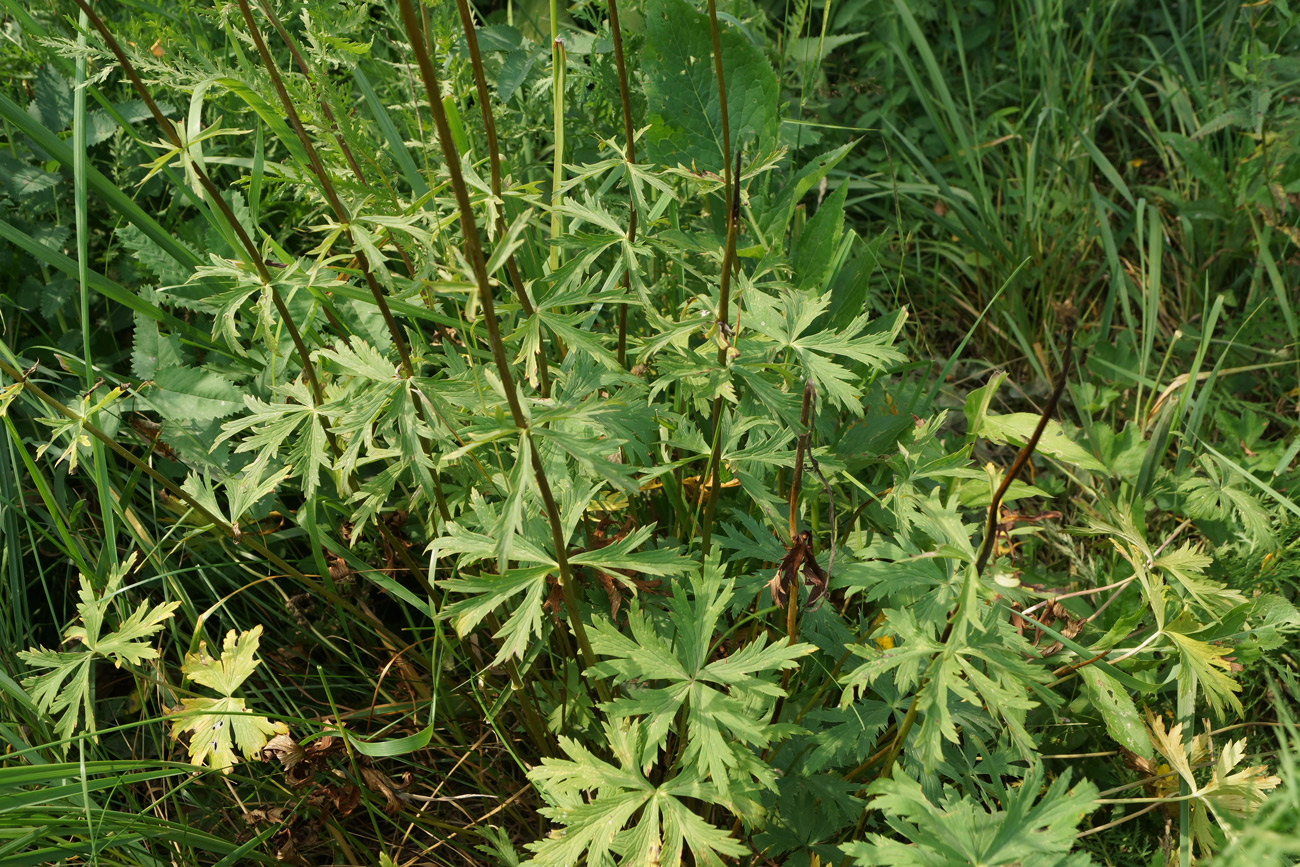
(1229, 795)
(1034, 828)
(64, 689)
(219, 726)
(75, 428)
(351, 383)
(594, 801)
(727, 701)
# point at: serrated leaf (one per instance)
(198, 394)
(674, 670)
(21, 180)
(152, 350)
(684, 112)
(622, 554)
(595, 829)
(53, 103)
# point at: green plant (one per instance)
(526, 440)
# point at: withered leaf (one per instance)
(284, 749)
(799, 560)
(376, 782)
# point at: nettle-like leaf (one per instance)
(1227, 794)
(727, 700)
(1035, 828)
(217, 726)
(682, 92)
(63, 690)
(612, 810)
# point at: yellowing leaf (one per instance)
(233, 667)
(217, 726)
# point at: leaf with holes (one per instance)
(217, 726)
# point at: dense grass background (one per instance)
(1015, 166)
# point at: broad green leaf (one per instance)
(194, 393)
(1117, 710)
(1017, 427)
(682, 92)
(813, 251)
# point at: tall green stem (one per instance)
(630, 136)
(474, 254)
(557, 167)
(83, 279)
(494, 165)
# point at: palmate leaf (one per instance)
(982, 665)
(727, 700)
(1227, 794)
(1035, 829)
(486, 593)
(297, 426)
(596, 800)
(786, 321)
(63, 690)
(218, 725)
